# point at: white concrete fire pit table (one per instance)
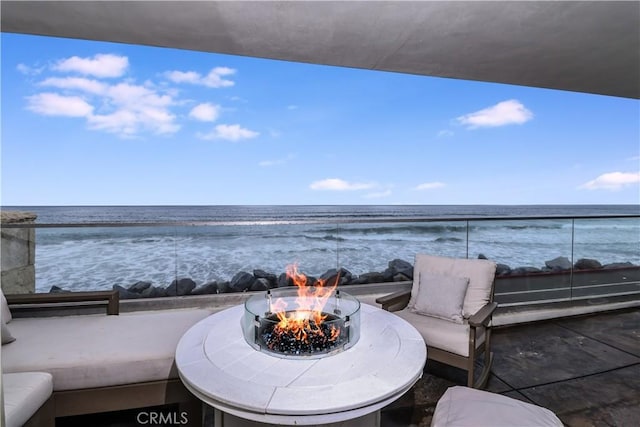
(247, 387)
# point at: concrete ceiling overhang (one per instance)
(589, 46)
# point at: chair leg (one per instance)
(486, 370)
(470, 371)
(488, 360)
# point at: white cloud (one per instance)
(100, 65)
(205, 112)
(266, 163)
(445, 133)
(125, 109)
(53, 104)
(183, 76)
(79, 83)
(158, 120)
(612, 181)
(336, 184)
(128, 123)
(223, 71)
(230, 133)
(430, 186)
(379, 195)
(136, 96)
(214, 79)
(131, 109)
(29, 71)
(121, 122)
(502, 114)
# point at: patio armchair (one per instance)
(451, 305)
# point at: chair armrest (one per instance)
(483, 316)
(400, 299)
(111, 299)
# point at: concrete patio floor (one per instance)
(585, 369)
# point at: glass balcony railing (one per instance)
(540, 259)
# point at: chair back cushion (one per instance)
(481, 274)
(441, 296)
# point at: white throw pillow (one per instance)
(6, 318)
(441, 296)
(481, 273)
(5, 334)
(6, 313)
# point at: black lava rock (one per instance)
(207, 288)
(242, 281)
(180, 287)
(138, 287)
(588, 264)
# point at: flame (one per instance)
(307, 317)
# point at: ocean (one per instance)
(209, 243)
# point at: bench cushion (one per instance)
(467, 407)
(24, 394)
(97, 350)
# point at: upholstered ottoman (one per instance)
(467, 407)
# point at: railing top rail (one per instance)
(353, 220)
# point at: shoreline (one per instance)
(586, 275)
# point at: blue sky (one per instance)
(92, 123)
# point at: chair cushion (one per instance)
(441, 296)
(99, 350)
(481, 274)
(24, 394)
(467, 407)
(443, 334)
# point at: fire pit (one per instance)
(302, 323)
(267, 360)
